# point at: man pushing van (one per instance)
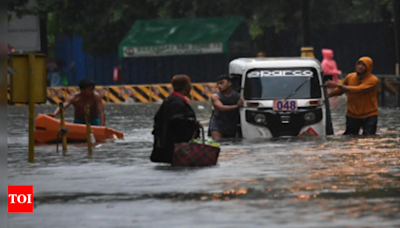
(225, 119)
(362, 103)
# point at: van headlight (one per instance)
(259, 118)
(309, 116)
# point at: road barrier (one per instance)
(388, 92)
(128, 93)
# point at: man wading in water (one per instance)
(362, 103)
(87, 95)
(225, 119)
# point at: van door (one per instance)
(328, 119)
(237, 86)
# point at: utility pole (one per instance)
(43, 33)
(306, 23)
(306, 50)
(396, 15)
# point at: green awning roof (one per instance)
(179, 36)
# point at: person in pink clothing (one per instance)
(330, 68)
(329, 65)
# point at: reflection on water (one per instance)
(339, 180)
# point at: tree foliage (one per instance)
(102, 24)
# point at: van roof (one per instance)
(237, 66)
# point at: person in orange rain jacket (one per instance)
(362, 103)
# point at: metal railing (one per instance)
(389, 90)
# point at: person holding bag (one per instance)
(174, 122)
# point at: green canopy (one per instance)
(179, 36)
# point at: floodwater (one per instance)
(334, 181)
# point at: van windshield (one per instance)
(271, 84)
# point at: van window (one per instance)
(270, 84)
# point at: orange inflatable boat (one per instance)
(47, 128)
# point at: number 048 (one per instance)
(285, 105)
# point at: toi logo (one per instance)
(20, 198)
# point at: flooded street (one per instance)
(335, 181)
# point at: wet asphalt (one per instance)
(334, 181)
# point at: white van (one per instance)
(282, 97)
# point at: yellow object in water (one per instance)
(209, 142)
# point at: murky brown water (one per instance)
(336, 181)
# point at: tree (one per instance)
(103, 24)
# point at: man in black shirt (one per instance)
(225, 119)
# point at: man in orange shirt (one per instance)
(362, 103)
